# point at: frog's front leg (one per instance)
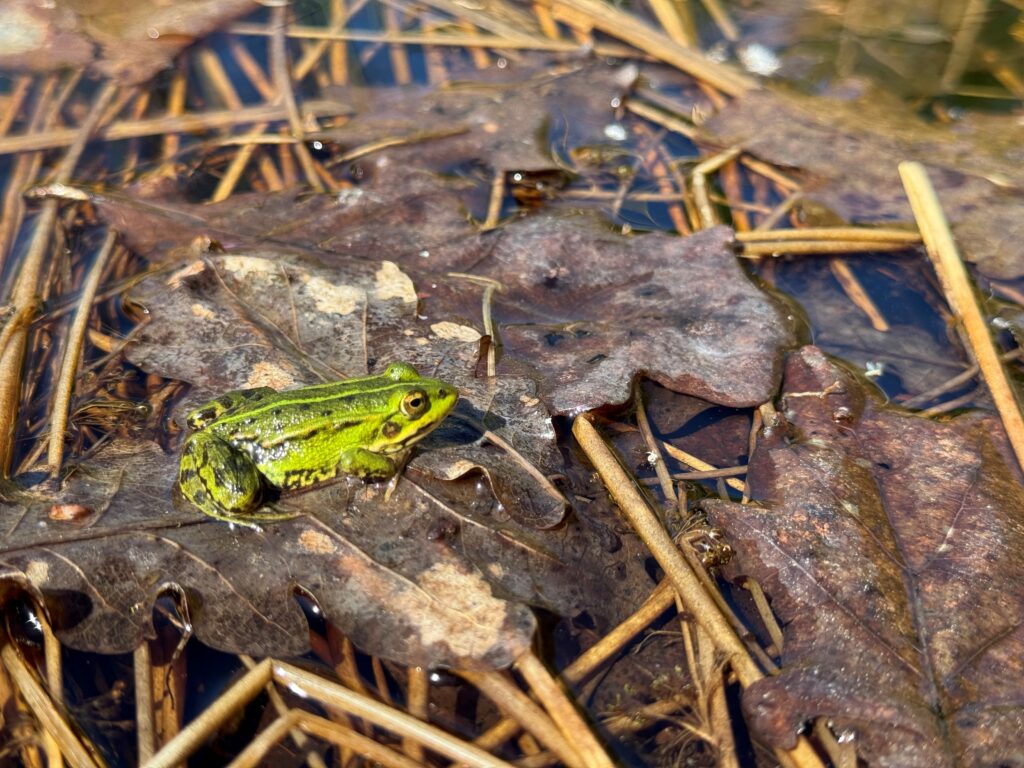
(219, 479)
(360, 462)
(207, 413)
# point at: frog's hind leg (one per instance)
(219, 479)
(208, 412)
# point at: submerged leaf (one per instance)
(580, 308)
(129, 42)
(849, 153)
(890, 545)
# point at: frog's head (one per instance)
(416, 405)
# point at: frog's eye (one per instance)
(415, 403)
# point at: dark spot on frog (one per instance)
(199, 497)
(187, 475)
(225, 402)
(390, 429)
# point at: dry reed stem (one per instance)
(283, 84)
(766, 614)
(26, 288)
(25, 171)
(11, 105)
(958, 402)
(339, 18)
(504, 19)
(543, 480)
(962, 300)
(442, 39)
(144, 728)
(61, 398)
(634, 507)
(660, 169)
(772, 173)
(525, 713)
(251, 68)
(699, 182)
(494, 201)
(689, 587)
(756, 422)
(54, 682)
(732, 186)
(975, 13)
(335, 696)
(349, 740)
(300, 721)
(855, 291)
(207, 60)
(635, 197)
(633, 30)
(158, 126)
(222, 709)
(664, 478)
(721, 18)
(671, 19)
(397, 141)
(957, 381)
(702, 466)
(850, 234)
(380, 682)
(45, 711)
(563, 711)
(778, 213)
(313, 759)
(819, 247)
(842, 755)
(400, 67)
(417, 694)
(658, 117)
(709, 678)
(233, 174)
(592, 659)
(711, 474)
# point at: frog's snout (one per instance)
(448, 395)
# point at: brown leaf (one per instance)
(890, 546)
(99, 574)
(849, 151)
(590, 309)
(129, 42)
(240, 321)
(506, 121)
(582, 308)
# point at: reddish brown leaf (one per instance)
(850, 150)
(890, 546)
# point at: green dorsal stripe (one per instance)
(343, 391)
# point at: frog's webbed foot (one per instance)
(219, 479)
(209, 412)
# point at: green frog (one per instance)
(251, 439)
